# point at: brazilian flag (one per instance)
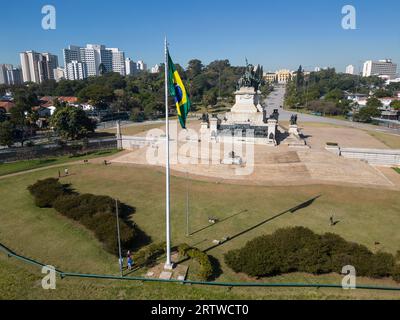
(177, 90)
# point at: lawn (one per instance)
(391, 140)
(134, 129)
(18, 166)
(365, 216)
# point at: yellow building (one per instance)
(283, 76)
(270, 77)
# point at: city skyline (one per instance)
(279, 35)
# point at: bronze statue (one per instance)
(293, 119)
(253, 77)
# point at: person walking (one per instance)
(130, 263)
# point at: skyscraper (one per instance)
(130, 66)
(75, 70)
(3, 74)
(37, 67)
(117, 61)
(91, 57)
(141, 65)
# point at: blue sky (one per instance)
(276, 34)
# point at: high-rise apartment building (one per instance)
(383, 68)
(117, 61)
(130, 66)
(141, 65)
(91, 57)
(37, 67)
(350, 69)
(75, 70)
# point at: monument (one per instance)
(246, 114)
(295, 138)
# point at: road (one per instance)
(275, 101)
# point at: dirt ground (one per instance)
(282, 165)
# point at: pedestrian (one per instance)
(130, 262)
(331, 220)
(66, 171)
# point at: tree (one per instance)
(370, 111)
(334, 95)
(374, 103)
(6, 134)
(96, 94)
(210, 99)
(195, 67)
(299, 77)
(395, 104)
(72, 123)
(382, 93)
(102, 69)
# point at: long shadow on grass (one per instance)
(291, 210)
(211, 225)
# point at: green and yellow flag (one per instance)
(177, 90)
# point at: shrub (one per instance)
(300, 250)
(206, 267)
(396, 272)
(47, 191)
(149, 254)
(96, 213)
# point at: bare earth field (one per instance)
(284, 165)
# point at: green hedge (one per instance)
(299, 249)
(96, 213)
(206, 267)
(47, 191)
(148, 255)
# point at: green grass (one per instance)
(390, 140)
(18, 166)
(366, 216)
(397, 170)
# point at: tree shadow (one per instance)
(291, 210)
(140, 240)
(219, 221)
(217, 270)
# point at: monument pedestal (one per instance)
(247, 108)
(295, 140)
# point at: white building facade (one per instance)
(382, 68)
(350, 69)
(141, 66)
(94, 55)
(130, 66)
(37, 67)
(75, 70)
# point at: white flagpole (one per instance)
(168, 263)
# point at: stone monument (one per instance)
(295, 138)
(246, 114)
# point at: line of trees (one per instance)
(141, 94)
(324, 91)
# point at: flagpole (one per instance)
(168, 265)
